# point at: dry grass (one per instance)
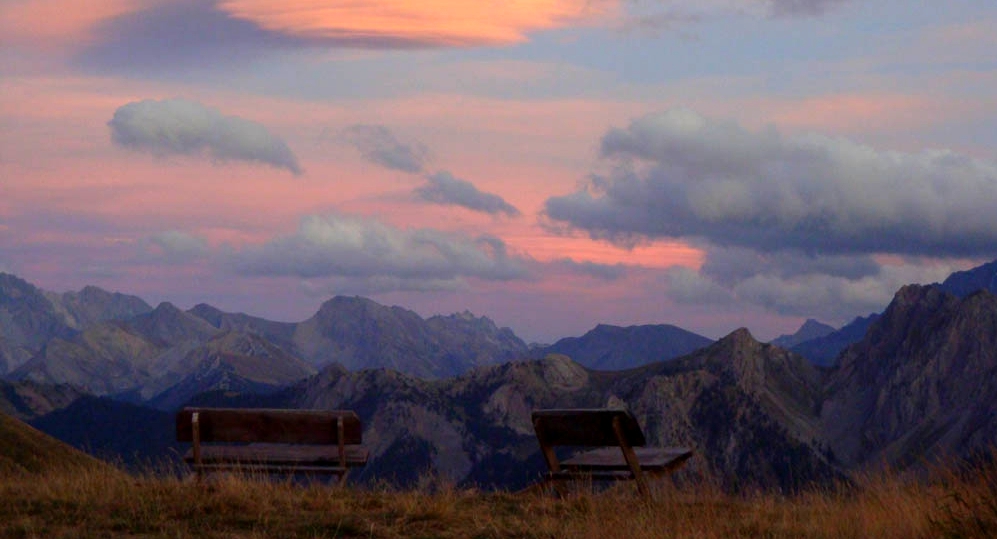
(100, 502)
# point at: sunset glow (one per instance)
(550, 164)
(433, 22)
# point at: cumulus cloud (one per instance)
(797, 284)
(365, 249)
(445, 188)
(182, 127)
(379, 145)
(680, 175)
(735, 264)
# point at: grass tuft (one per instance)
(101, 501)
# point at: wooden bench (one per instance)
(617, 435)
(271, 441)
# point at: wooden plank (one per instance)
(611, 458)
(586, 427)
(283, 469)
(268, 425)
(607, 475)
(280, 454)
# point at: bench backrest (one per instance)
(586, 428)
(270, 426)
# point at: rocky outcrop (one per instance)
(29, 400)
(92, 304)
(28, 320)
(362, 334)
(231, 361)
(921, 385)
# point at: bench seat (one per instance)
(651, 459)
(283, 456)
(614, 447)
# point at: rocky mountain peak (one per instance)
(811, 329)
(13, 287)
(169, 325)
(964, 283)
(563, 374)
(920, 382)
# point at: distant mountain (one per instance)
(24, 451)
(811, 329)
(113, 344)
(30, 317)
(93, 304)
(921, 384)
(609, 347)
(279, 333)
(738, 402)
(105, 358)
(169, 327)
(28, 320)
(231, 361)
(359, 333)
(964, 283)
(824, 351)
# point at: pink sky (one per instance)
(439, 152)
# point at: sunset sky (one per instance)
(550, 164)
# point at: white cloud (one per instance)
(360, 248)
(182, 127)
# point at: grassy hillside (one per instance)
(24, 450)
(98, 503)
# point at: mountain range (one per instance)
(453, 393)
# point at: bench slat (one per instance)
(278, 454)
(274, 426)
(611, 458)
(283, 469)
(583, 427)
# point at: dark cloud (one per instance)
(368, 250)
(378, 145)
(810, 288)
(444, 188)
(172, 35)
(182, 127)
(736, 264)
(177, 35)
(680, 175)
(802, 8)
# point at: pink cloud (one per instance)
(429, 23)
(56, 23)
